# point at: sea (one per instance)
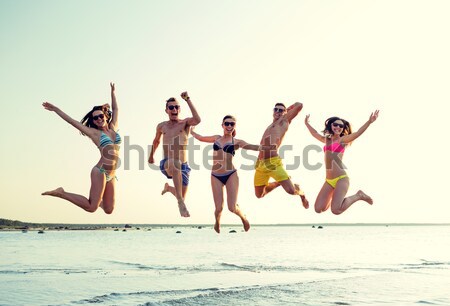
(193, 265)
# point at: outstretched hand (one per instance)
(185, 96)
(307, 119)
(50, 107)
(113, 86)
(374, 116)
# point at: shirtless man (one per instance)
(175, 134)
(269, 164)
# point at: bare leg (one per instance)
(348, 201)
(339, 204)
(173, 168)
(109, 197)
(58, 192)
(294, 189)
(183, 194)
(300, 192)
(323, 200)
(168, 188)
(232, 193)
(261, 191)
(217, 189)
(244, 219)
(289, 187)
(98, 182)
(184, 191)
(364, 197)
(183, 209)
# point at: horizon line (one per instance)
(231, 224)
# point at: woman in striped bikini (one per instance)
(336, 136)
(223, 173)
(100, 124)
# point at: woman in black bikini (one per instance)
(223, 172)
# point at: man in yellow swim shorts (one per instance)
(269, 164)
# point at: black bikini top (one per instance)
(227, 148)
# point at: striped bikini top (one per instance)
(105, 140)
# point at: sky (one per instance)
(339, 58)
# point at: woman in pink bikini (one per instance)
(336, 136)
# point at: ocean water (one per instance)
(269, 265)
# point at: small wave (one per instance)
(13, 272)
(152, 295)
(425, 302)
(101, 299)
(425, 264)
(255, 268)
(43, 271)
(221, 266)
(146, 267)
(168, 297)
(278, 268)
(270, 294)
(433, 263)
(230, 266)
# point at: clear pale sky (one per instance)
(344, 58)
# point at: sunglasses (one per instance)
(171, 107)
(279, 110)
(101, 116)
(338, 125)
(228, 123)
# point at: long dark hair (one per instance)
(347, 130)
(89, 121)
(230, 117)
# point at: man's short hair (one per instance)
(171, 99)
(280, 104)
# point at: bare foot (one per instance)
(246, 224)
(304, 201)
(217, 227)
(166, 188)
(297, 190)
(54, 193)
(183, 210)
(302, 196)
(364, 197)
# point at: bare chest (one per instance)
(276, 131)
(175, 131)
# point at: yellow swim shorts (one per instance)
(334, 181)
(269, 168)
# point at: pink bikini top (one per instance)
(334, 147)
